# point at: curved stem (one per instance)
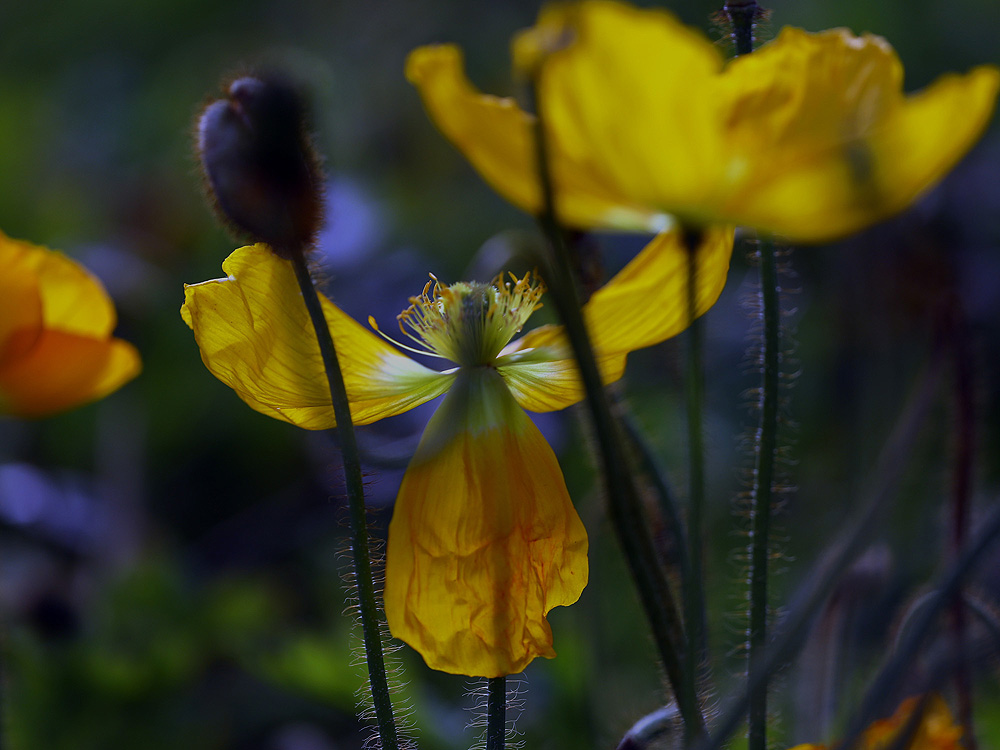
(356, 508)
(624, 505)
(496, 713)
(763, 478)
(649, 466)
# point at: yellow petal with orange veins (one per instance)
(255, 336)
(484, 539)
(643, 304)
(497, 137)
(56, 348)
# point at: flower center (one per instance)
(470, 323)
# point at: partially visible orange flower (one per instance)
(56, 321)
(937, 729)
(810, 138)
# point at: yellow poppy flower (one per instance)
(484, 539)
(56, 348)
(810, 137)
(937, 729)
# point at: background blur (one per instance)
(171, 560)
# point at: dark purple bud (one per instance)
(259, 164)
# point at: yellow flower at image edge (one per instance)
(56, 320)
(810, 137)
(484, 539)
(936, 729)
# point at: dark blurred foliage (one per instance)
(171, 560)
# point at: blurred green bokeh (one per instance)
(193, 596)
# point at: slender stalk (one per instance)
(624, 505)
(664, 494)
(694, 582)
(356, 508)
(496, 713)
(839, 555)
(763, 478)
(742, 15)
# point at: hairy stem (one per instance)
(839, 555)
(694, 583)
(356, 508)
(496, 713)
(763, 479)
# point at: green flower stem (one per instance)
(624, 505)
(742, 14)
(763, 478)
(356, 504)
(694, 582)
(496, 713)
(879, 491)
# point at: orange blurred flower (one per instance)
(56, 347)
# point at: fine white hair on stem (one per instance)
(476, 690)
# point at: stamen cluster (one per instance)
(470, 323)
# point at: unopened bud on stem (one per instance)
(259, 165)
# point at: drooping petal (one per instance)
(255, 336)
(828, 143)
(646, 302)
(484, 539)
(56, 349)
(643, 304)
(497, 137)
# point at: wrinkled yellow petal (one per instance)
(643, 304)
(496, 136)
(255, 336)
(484, 539)
(836, 146)
(56, 351)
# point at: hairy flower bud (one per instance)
(259, 165)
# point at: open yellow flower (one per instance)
(937, 729)
(484, 539)
(56, 320)
(810, 137)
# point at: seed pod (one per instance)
(260, 168)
